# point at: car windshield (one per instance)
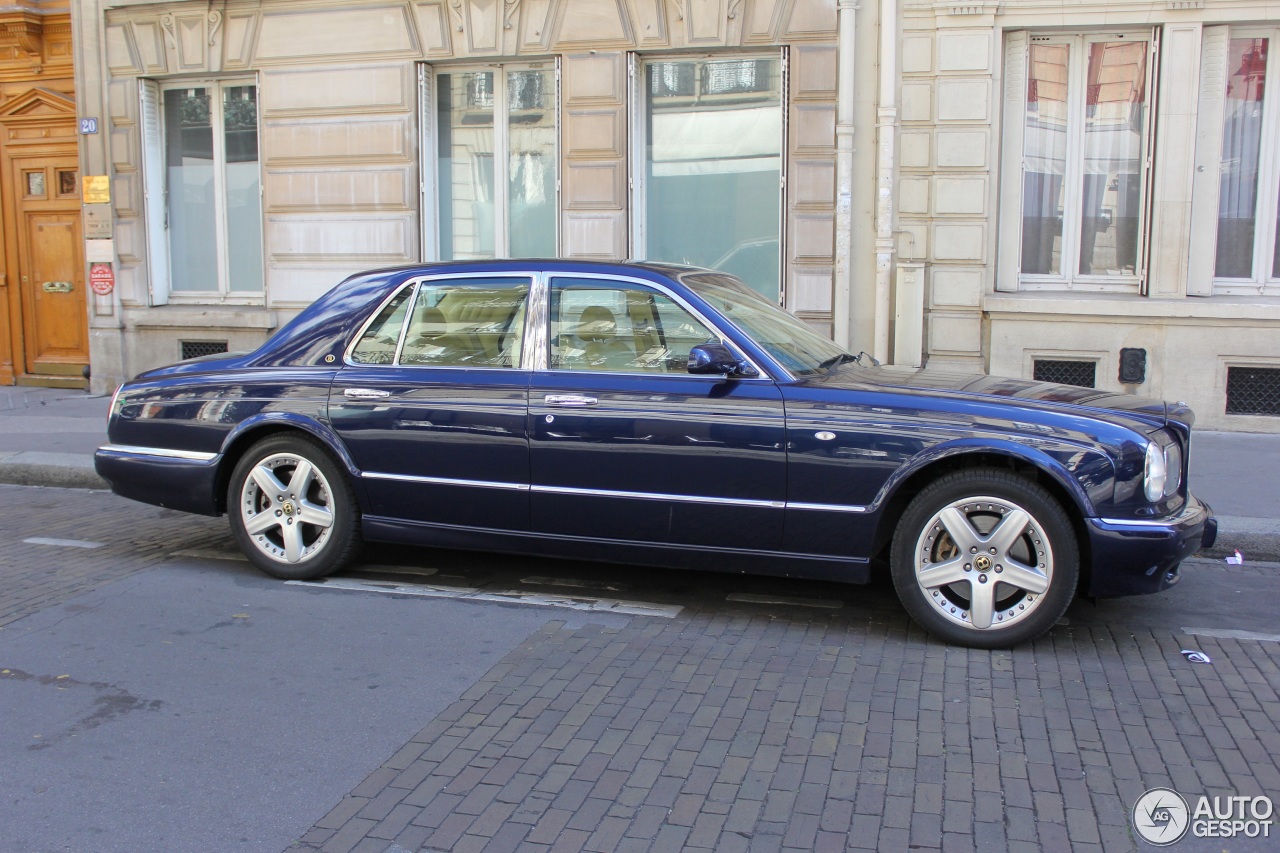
(791, 341)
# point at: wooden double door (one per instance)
(46, 268)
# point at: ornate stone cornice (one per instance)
(24, 31)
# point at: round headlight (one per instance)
(1153, 476)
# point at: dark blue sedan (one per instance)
(662, 415)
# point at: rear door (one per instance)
(432, 403)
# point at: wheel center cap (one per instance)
(287, 508)
(982, 563)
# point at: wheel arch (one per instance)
(251, 432)
(1037, 467)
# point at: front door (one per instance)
(627, 446)
(51, 280)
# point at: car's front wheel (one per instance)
(292, 510)
(985, 558)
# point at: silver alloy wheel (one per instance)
(286, 506)
(984, 562)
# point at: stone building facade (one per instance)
(1093, 188)
(1039, 188)
(388, 132)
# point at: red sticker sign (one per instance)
(102, 279)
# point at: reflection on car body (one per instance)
(664, 415)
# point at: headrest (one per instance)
(596, 324)
(430, 323)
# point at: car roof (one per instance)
(532, 265)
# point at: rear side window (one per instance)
(474, 322)
(464, 322)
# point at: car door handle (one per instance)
(570, 400)
(365, 394)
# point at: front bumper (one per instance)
(1132, 557)
(180, 480)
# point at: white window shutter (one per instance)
(154, 190)
(1011, 156)
(1205, 187)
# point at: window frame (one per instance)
(1017, 68)
(428, 86)
(1265, 280)
(638, 205)
(155, 180)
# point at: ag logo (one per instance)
(1161, 816)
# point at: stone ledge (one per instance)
(1086, 307)
(201, 317)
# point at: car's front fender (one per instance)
(1086, 475)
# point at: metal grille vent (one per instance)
(1082, 373)
(195, 349)
(1253, 390)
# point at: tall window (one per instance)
(211, 178)
(712, 166)
(496, 162)
(1084, 132)
(1247, 257)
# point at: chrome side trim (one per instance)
(131, 450)
(827, 507)
(447, 481)
(609, 493)
(658, 496)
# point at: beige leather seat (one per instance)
(430, 342)
(598, 330)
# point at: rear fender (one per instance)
(252, 430)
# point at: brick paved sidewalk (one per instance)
(737, 729)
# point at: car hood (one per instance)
(1034, 394)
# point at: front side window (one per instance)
(1084, 140)
(619, 327)
(712, 166)
(496, 162)
(1247, 256)
(212, 179)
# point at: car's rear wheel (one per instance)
(985, 558)
(292, 510)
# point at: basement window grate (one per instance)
(1253, 390)
(1082, 373)
(195, 349)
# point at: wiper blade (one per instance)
(837, 360)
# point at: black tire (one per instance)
(985, 558)
(292, 509)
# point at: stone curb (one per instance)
(1258, 539)
(59, 470)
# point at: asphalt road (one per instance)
(159, 694)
